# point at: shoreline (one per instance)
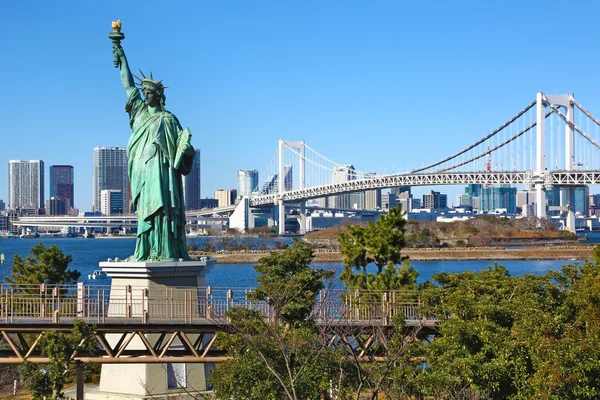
(573, 253)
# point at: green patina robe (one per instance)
(156, 142)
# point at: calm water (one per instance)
(88, 252)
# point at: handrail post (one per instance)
(229, 298)
(208, 302)
(80, 297)
(42, 300)
(145, 305)
(128, 301)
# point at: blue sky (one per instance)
(383, 85)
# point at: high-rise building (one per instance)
(343, 173)
(435, 200)
(247, 182)
(524, 198)
(226, 197)
(26, 184)
(61, 184)
(399, 190)
(111, 202)
(372, 197)
(2, 205)
(499, 197)
(582, 200)
(55, 206)
(110, 172)
(191, 185)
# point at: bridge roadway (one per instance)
(527, 178)
(134, 325)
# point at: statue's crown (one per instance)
(150, 83)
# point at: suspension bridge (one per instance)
(546, 144)
(551, 142)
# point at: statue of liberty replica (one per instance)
(159, 153)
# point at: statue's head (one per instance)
(154, 91)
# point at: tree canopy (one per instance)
(379, 243)
(43, 265)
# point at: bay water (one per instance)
(87, 253)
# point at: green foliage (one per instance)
(288, 283)
(284, 356)
(514, 337)
(46, 381)
(379, 243)
(44, 265)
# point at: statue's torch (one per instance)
(116, 36)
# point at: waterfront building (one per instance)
(474, 190)
(388, 200)
(594, 204)
(56, 206)
(502, 197)
(582, 200)
(110, 172)
(398, 190)
(247, 182)
(523, 198)
(111, 202)
(62, 185)
(344, 173)
(372, 198)
(416, 204)
(26, 184)
(191, 185)
(435, 200)
(226, 197)
(463, 200)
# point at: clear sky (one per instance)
(383, 85)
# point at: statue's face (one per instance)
(151, 98)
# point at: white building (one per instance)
(111, 202)
(26, 184)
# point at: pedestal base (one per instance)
(151, 280)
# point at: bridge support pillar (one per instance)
(540, 201)
(303, 217)
(281, 222)
(540, 154)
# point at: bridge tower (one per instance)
(567, 198)
(300, 146)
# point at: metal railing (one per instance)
(187, 305)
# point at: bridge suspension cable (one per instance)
(263, 178)
(507, 123)
(491, 150)
(572, 125)
(586, 112)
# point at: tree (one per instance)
(46, 381)
(516, 337)
(380, 243)
(44, 265)
(280, 355)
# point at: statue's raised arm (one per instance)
(119, 56)
(126, 76)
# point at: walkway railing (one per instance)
(54, 304)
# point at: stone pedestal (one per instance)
(137, 290)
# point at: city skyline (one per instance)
(383, 86)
